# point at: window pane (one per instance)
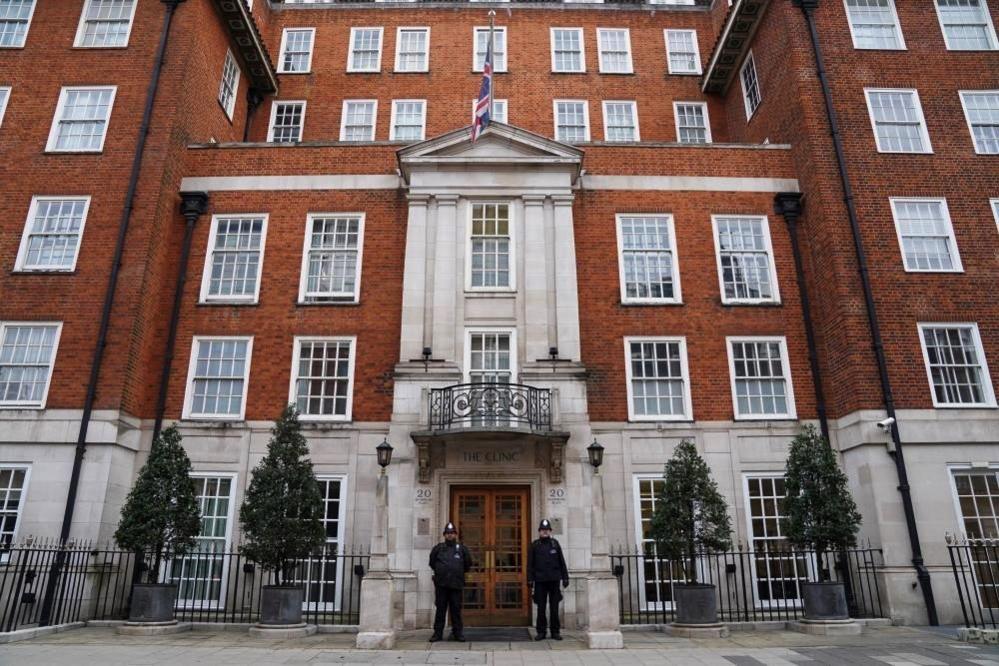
(955, 365)
(982, 109)
(615, 53)
(926, 234)
(874, 25)
(491, 243)
(218, 380)
(490, 360)
(408, 125)
(692, 123)
(647, 254)
(621, 124)
(760, 379)
(235, 259)
(745, 259)
(359, 121)
(778, 573)
(84, 118)
(26, 355)
(332, 258)
(966, 25)
(106, 22)
(14, 16)
(499, 49)
(288, 118)
(412, 50)
(657, 379)
(568, 50)
(570, 121)
(53, 234)
(323, 378)
(367, 49)
(297, 50)
(11, 495)
(682, 51)
(898, 121)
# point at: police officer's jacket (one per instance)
(450, 562)
(545, 562)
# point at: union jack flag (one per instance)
(482, 105)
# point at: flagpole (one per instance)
(490, 51)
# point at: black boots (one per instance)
(435, 638)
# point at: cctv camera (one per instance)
(886, 424)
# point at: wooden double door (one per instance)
(493, 522)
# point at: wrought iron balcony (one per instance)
(491, 405)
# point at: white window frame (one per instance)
(707, 121)
(353, 41)
(988, 390)
(423, 119)
(791, 413)
(341, 519)
(966, 468)
(634, 117)
(206, 275)
(811, 563)
(677, 292)
(351, 364)
(698, 68)
(951, 239)
(636, 492)
(923, 129)
(750, 60)
(6, 90)
(55, 352)
(23, 249)
(343, 119)
(688, 407)
(466, 371)
(301, 127)
(586, 116)
(967, 117)
(582, 51)
(898, 30)
(765, 222)
(600, 52)
(303, 283)
(506, 110)
(284, 46)
(27, 28)
(78, 40)
(189, 386)
(166, 565)
(988, 23)
(995, 210)
(5, 556)
(398, 50)
(230, 106)
(497, 68)
(511, 232)
(50, 147)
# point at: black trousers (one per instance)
(547, 595)
(448, 599)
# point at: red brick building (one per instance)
(690, 220)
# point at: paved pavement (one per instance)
(893, 646)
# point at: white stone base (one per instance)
(978, 635)
(604, 640)
(826, 627)
(375, 640)
(716, 630)
(280, 631)
(152, 628)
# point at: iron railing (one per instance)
(490, 405)
(703, 3)
(94, 583)
(759, 585)
(975, 563)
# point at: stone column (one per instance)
(446, 287)
(375, 630)
(536, 342)
(566, 291)
(414, 281)
(603, 626)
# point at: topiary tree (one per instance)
(690, 513)
(161, 512)
(282, 512)
(821, 513)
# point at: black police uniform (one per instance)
(449, 562)
(545, 568)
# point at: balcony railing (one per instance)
(490, 405)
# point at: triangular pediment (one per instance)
(499, 144)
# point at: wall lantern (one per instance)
(596, 453)
(384, 451)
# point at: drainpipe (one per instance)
(105, 322)
(788, 206)
(192, 206)
(922, 574)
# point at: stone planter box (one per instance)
(696, 604)
(824, 601)
(281, 605)
(152, 602)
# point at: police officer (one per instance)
(450, 561)
(545, 568)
